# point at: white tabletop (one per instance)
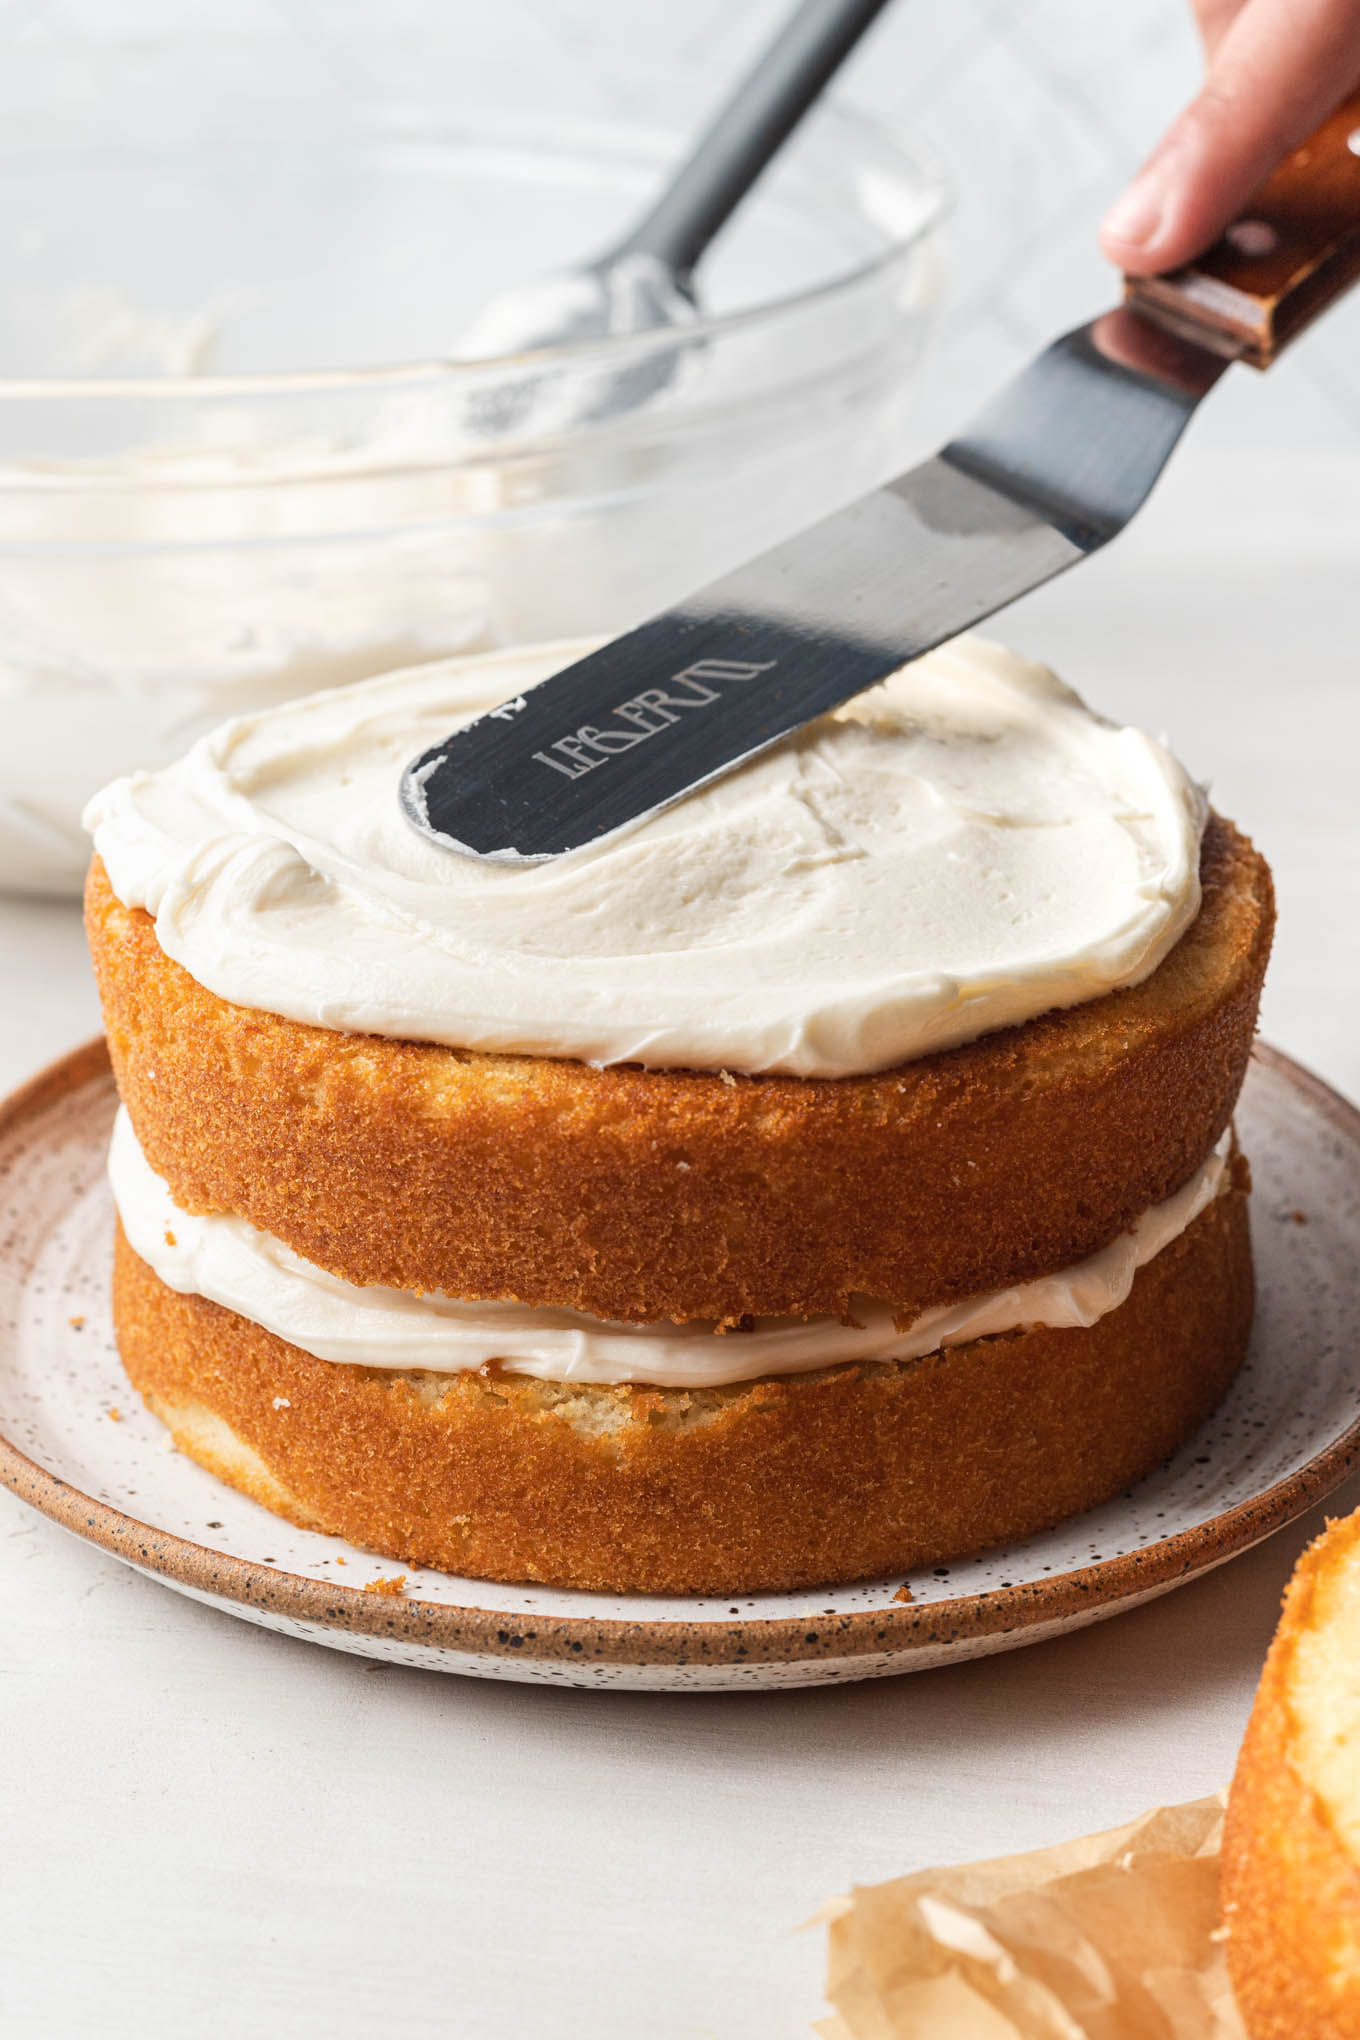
(211, 1830)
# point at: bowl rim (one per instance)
(916, 163)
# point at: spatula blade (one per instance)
(1050, 471)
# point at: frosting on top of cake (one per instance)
(234, 1263)
(958, 850)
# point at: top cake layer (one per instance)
(959, 850)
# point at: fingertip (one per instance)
(1159, 224)
(1134, 258)
(1134, 228)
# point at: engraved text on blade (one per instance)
(646, 715)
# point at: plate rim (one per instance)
(896, 1630)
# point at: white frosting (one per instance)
(962, 848)
(233, 1263)
(122, 664)
(630, 294)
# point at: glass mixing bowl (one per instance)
(234, 466)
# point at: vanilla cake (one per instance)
(1291, 1843)
(827, 1176)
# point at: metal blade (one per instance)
(1051, 470)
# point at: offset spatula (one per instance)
(1052, 470)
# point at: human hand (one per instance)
(1275, 68)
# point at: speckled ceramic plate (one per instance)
(76, 1443)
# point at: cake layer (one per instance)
(1291, 1844)
(957, 850)
(642, 1195)
(850, 1472)
(233, 1263)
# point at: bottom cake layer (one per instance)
(806, 1480)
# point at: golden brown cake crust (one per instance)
(1291, 1889)
(641, 1194)
(808, 1480)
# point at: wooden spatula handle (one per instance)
(1293, 251)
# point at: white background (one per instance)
(210, 1830)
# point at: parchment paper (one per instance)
(1113, 1937)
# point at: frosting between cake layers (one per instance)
(231, 1262)
(962, 848)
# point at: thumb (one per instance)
(1282, 66)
